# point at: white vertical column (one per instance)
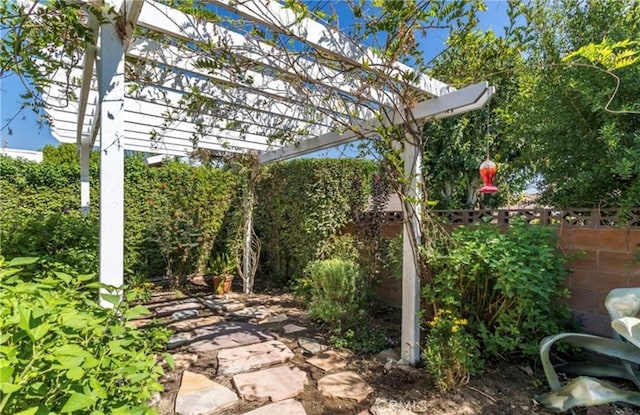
(411, 234)
(85, 197)
(111, 89)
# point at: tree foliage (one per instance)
(578, 104)
(455, 147)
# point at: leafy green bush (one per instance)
(61, 352)
(450, 353)
(337, 291)
(361, 339)
(67, 237)
(505, 282)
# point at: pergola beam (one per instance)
(152, 127)
(457, 102)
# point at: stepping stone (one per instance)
(344, 385)
(288, 407)
(226, 334)
(258, 312)
(275, 384)
(329, 360)
(312, 346)
(181, 306)
(200, 395)
(184, 314)
(222, 305)
(179, 339)
(255, 356)
(194, 323)
(279, 318)
(292, 328)
(184, 360)
(388, 355)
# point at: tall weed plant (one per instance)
(62, 352)
(505, 282)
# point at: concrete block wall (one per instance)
(607, 259)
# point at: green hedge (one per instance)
(165, 209)
(176, 215)
(300, 204)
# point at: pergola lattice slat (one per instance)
(168, 21)
(282, 20)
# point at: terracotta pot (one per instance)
(222, 284)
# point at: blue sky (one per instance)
(27, 134)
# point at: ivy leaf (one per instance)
(8, 388)
(20, 261)
(75, 373)
(170, 361)
(63, 276)
(136, 312)
(111, 298)
(76, 402)
(29, 411)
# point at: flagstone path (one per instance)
(235, 357)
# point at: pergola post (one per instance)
(411, 235)
(112, 116)
(85, 197)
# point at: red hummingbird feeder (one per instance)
(488, 171)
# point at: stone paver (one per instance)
(228, 334)
(200, 395)
(179, 306)
(278, 318)
(344, 385)
(312, 346)
(259, 312)
(275, 384)
(184, 360)
(222, 305)
(329, 360)
(194, 323)
(388, 355)
(288, 407)
(292, 328)
(255, 356)
(179, 339)
(184, 314)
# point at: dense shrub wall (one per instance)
(172, 213)
(175, 215)
(300, 204)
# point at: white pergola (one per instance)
(111, 110)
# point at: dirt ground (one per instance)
(504, 388)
